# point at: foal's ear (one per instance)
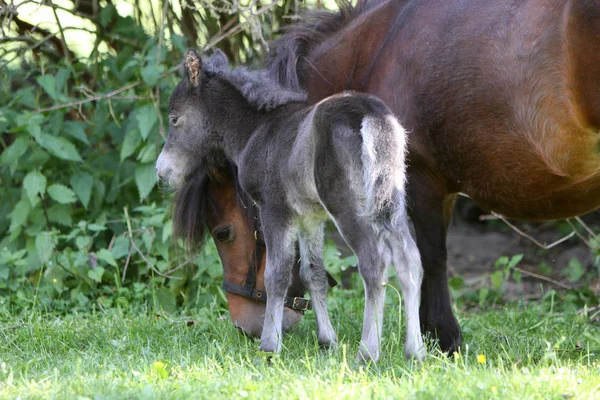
(193, 67)
(219, 60)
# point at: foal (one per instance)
(342, 158)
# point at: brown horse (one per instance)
(501, 99)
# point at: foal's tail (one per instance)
(383, 154)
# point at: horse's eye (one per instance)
(174, 120)
(224, 234)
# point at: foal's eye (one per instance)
(224, 234)
(174, 120)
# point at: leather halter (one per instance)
(249, 290)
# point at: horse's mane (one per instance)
(193, 204)
(287, 56)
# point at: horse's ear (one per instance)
(193, 67)
(219, 60)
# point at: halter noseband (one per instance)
(249, 290)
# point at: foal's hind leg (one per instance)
(361, 237)
(407, 262)
(279, 238)
(314, 277)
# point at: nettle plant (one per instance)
(81, 215)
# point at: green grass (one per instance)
(529, 353)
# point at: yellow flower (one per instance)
(494, 389)
(481, 358)
(456, 355)
(54, 280)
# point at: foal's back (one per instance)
(328, 148)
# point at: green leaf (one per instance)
(62, 76)
(107, 257)
(146, 117)
(497, 279)
(96, 274)
(45, 243)
(147, 154)
(501, 262)
(166, 300)
(34, 184)
(61, 194)
(151, 73)
(483, 293)
(82, 184)
(59, 146)
(106, 14)
(130, 143)
(515, 260)
(19, 214)
(178, 42)
(517, 277)
(96, 227)
(456, 283)
(48, 83)
(145, 179)
(121, 247)
(10, 156)
(60, 214)
(575, 271)
(167, 232)
(76, 130)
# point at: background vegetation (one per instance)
(84, 89)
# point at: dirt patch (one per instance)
(474, 246)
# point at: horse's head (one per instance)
(190, 125)
(213, 203)
(200, 111)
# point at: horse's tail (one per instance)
(383, 153)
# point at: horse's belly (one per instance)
(518, 192)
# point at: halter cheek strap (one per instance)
(249, 290)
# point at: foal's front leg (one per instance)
(314, 277)
(280, 240)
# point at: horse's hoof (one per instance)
(446, 333)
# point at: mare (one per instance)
(501, 99)
(343, 158)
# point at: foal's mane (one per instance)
(260, 90)
(287, 58)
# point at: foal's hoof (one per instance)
(328, 347)
(415, 354)
(263, 357)
(364, 357)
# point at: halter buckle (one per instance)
(300, 304)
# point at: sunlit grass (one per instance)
(513, 353)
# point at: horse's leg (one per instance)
(431, 213)
(407, 262)
(360, 236)
(314, 277)
(280, 240)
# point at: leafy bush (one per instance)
(82, 219)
